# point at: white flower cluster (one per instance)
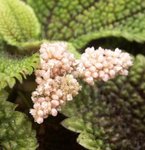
(55, 60)
(56, 84)
(58, 70)
(103, 64)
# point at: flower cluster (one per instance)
(103, 64)
(55, 60)
(58, 70)
(56, 84)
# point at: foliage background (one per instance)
(109, 116)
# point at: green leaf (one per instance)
(72, 124)
(18, 23)
(80, 21)
(14, 68)
(111, 116)
(89, 141)
(15, 128)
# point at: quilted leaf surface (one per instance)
(18, 22)
(80, 21)
(15, 128)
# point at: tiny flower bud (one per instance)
(54, 112)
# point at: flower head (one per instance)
(56, 83)
(103, 64)
(58, 70)
(55, 60)
(51, 95)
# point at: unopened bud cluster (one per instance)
(56, 84)
(103, 64)
(58, 70)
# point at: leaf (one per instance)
(71, 124)
(18, 23)
(14, 68)
(80, 21)
(111, 115)
(15, 128)
(89, 141)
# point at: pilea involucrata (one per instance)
(108, 115)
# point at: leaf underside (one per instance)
(15, 129)
(111, 116)
(14, 68)
(80, 21)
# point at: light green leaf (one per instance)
(14, 68)
(15, 128)
(88, 140)
(80, 21)
(72, 124)
(112, 113)
(18, 23)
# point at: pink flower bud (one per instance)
(55, 103)
(39, 120)
(54, 112)
(40, 113)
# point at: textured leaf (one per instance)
(18, 22)
(14, 68)
(15, 129)
(80, 21)
(111, 116)
(89, 141)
